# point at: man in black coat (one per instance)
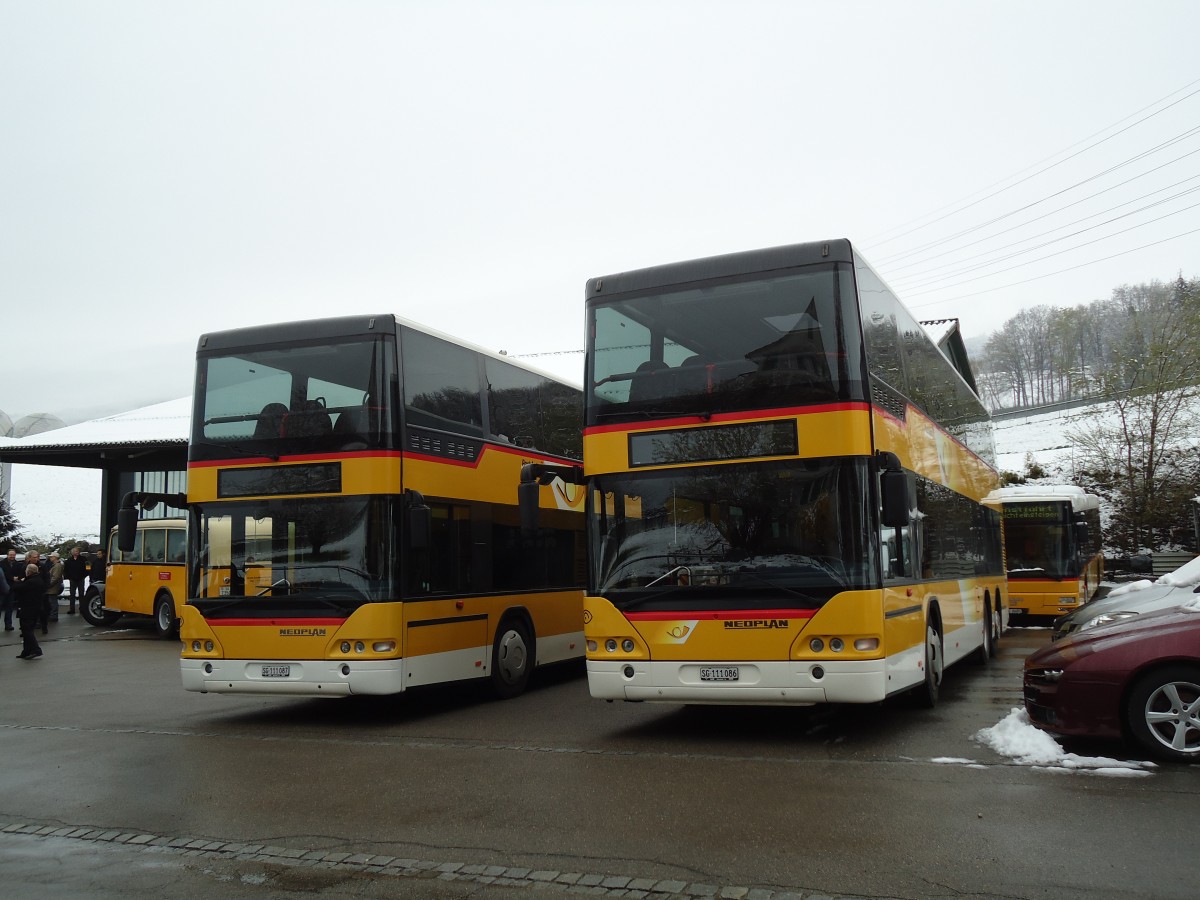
(31, 599)
(75, 568)
(14, 571)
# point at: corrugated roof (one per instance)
(162, 423)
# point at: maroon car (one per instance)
(1137, 678)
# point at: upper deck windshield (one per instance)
(294, 398)
(786, 339)
(754, 536)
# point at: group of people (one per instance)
(32, 588)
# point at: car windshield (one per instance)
(785, 534)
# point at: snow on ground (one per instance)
(57, 500)
(1015, 737)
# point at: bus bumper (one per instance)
(307, 678)
(783, 683)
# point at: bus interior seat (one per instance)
(648, 382)
(693, 376)
(351, 428)
(309, 419)
(270, 421)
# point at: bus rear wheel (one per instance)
(93, 611)
(512, 658)
(165, 623)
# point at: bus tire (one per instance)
(93, 611)
(165, 623)
(925, 695)
(512, 658)
(984, 653)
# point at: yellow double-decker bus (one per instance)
(785, 482)
(353, 519)
(1052, 546)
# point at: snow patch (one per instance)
(1016, 737)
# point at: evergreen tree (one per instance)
(10, 529)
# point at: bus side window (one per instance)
(897, 553)
(154, 543)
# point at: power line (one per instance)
(1066, 207)
(1050, 274)
(1179, 137)
(1047, 168)
(983, 265)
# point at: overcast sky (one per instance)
(171, 168)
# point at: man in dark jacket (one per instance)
(75, 567)
(31, 600)
(14, 571)
(99, 564)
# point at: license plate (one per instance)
(719, 673)
(276, 671)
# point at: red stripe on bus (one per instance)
(717, 418)
(272, 623)
(303, 457)
(720, 615)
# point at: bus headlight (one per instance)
(383, 646)
(627, 645)
(816, 645)
(592, 646)
(208, 646)
(359, 647)
(866, 645)
(345, 646)
(837, 645)
(611, 645)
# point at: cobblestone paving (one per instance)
(593, 884)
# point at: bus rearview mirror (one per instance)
(127, 519)
(894, 488)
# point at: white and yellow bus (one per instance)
(1052, 546)
(354, 526)
(786, 482)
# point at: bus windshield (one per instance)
(1040, 550)
(298, 397)
(318, 554)
(784, 534)
(765, 342)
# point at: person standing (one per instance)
(96, 572)
(14, 571)
(31, 602)
(76, 568)
(54, 586)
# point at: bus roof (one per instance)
(1043, 493)
(727, 265)
(347, 326)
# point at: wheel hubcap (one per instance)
(511, 658)
(1173, 716)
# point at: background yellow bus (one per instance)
(786, 482)
(148, 579)
(1052, 544)
(353, 519)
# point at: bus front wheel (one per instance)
(512, 658)
(93, 611)
(926, 693)
(165, 624)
